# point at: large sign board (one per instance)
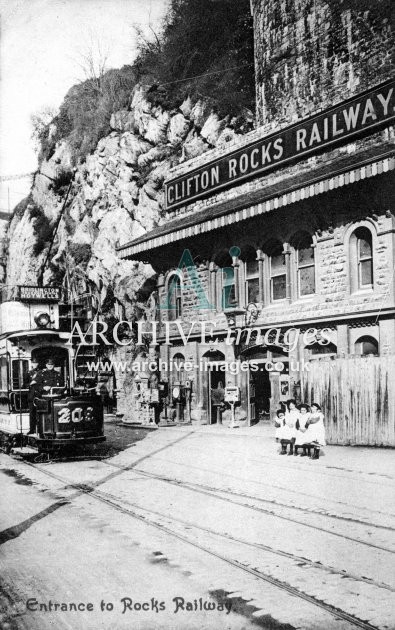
(38, 294)
(358, 116)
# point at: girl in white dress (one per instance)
(315, 433)
(301, 427)
(279, 423)
(288, 433)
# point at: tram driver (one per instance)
(50, 377)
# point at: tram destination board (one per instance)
(38, 294)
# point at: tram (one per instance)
(68, 415)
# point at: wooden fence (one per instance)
(357, 396)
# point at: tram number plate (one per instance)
(78, 414)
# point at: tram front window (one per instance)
(19, 378)
(20, 368)
(58, 355)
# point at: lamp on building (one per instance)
(137, 382)
(251, 314)
(231, 315)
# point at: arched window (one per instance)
(304, 252)
(361, 259)
(366, 345)
(174, 292)
(278, 273)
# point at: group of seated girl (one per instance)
(300, 428)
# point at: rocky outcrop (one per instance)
(116, 195)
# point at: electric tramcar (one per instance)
(66, 416)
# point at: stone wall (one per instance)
(195, 291)
(310, 53)
(334, 296)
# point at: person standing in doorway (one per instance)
(34, 378)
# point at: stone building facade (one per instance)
(315, 53)
(292, 263)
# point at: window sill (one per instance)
(365, 291)
(305, 298)
(278, 303)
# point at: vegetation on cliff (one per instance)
(84, 116)
(123, 137)
(205, 49)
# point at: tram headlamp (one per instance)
(42, 320)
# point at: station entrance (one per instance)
(215, 384)
(267, 388)
(259, 394)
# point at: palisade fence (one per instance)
(357, 396)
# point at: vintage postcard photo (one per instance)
(197, 315)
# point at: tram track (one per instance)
(275, 503)
(322, 470)
(332, 610)
(256, 546)
(119, 504)
(301, 466)
(132, 510)
(273, 486)
(211, 490)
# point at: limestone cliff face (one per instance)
(116, 195)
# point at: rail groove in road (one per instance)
(243, 495)
(99, 495)
(257, 546)
(213, 493)
(113, 502)
(209, 491)
(304, 465)
(275, 486)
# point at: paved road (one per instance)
(201, 518)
